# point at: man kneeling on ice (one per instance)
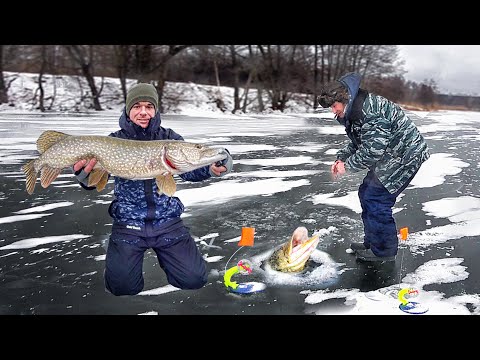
(144, 218)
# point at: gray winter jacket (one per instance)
(382, 137)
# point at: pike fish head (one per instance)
(293, 256)
(181, 156)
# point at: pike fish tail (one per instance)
(31, 175)
(47, 174)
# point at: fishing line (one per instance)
(401, 267)
(232, 257)
(403, 244)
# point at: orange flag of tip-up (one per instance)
(404, 233)
(247, 236)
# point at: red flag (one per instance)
(247, 236)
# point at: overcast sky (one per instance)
(455, 68)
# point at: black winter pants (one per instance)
(177, 255)
(378, 222)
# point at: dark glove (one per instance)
(227, 162)
(82, 178)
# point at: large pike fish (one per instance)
(129, 159)
(293, 256)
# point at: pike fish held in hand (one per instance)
(129, 159)
(293, 256)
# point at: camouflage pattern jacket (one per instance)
(382, 137)
(137, 208)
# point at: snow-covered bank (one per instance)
(71, 93)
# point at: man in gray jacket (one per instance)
(383, 140)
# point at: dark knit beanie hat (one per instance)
(141, 92)
(331, 92)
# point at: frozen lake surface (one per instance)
(53, 242)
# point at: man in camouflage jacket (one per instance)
(383, 140)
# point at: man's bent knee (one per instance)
(192, 283)
(123, 288)
(119, 291)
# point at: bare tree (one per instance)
(151, 63)
(236, 80)
(143, 64)
(315, 76)
(275, 63)
(380, 60)
(123, 55)
(393, 88)
(40, 79)
(3, 89)
(53, 59)
(83, 56)
(426, 95)
(162, 67)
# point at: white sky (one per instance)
(463, 212)
(455, 68)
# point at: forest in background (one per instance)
(278, 71)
